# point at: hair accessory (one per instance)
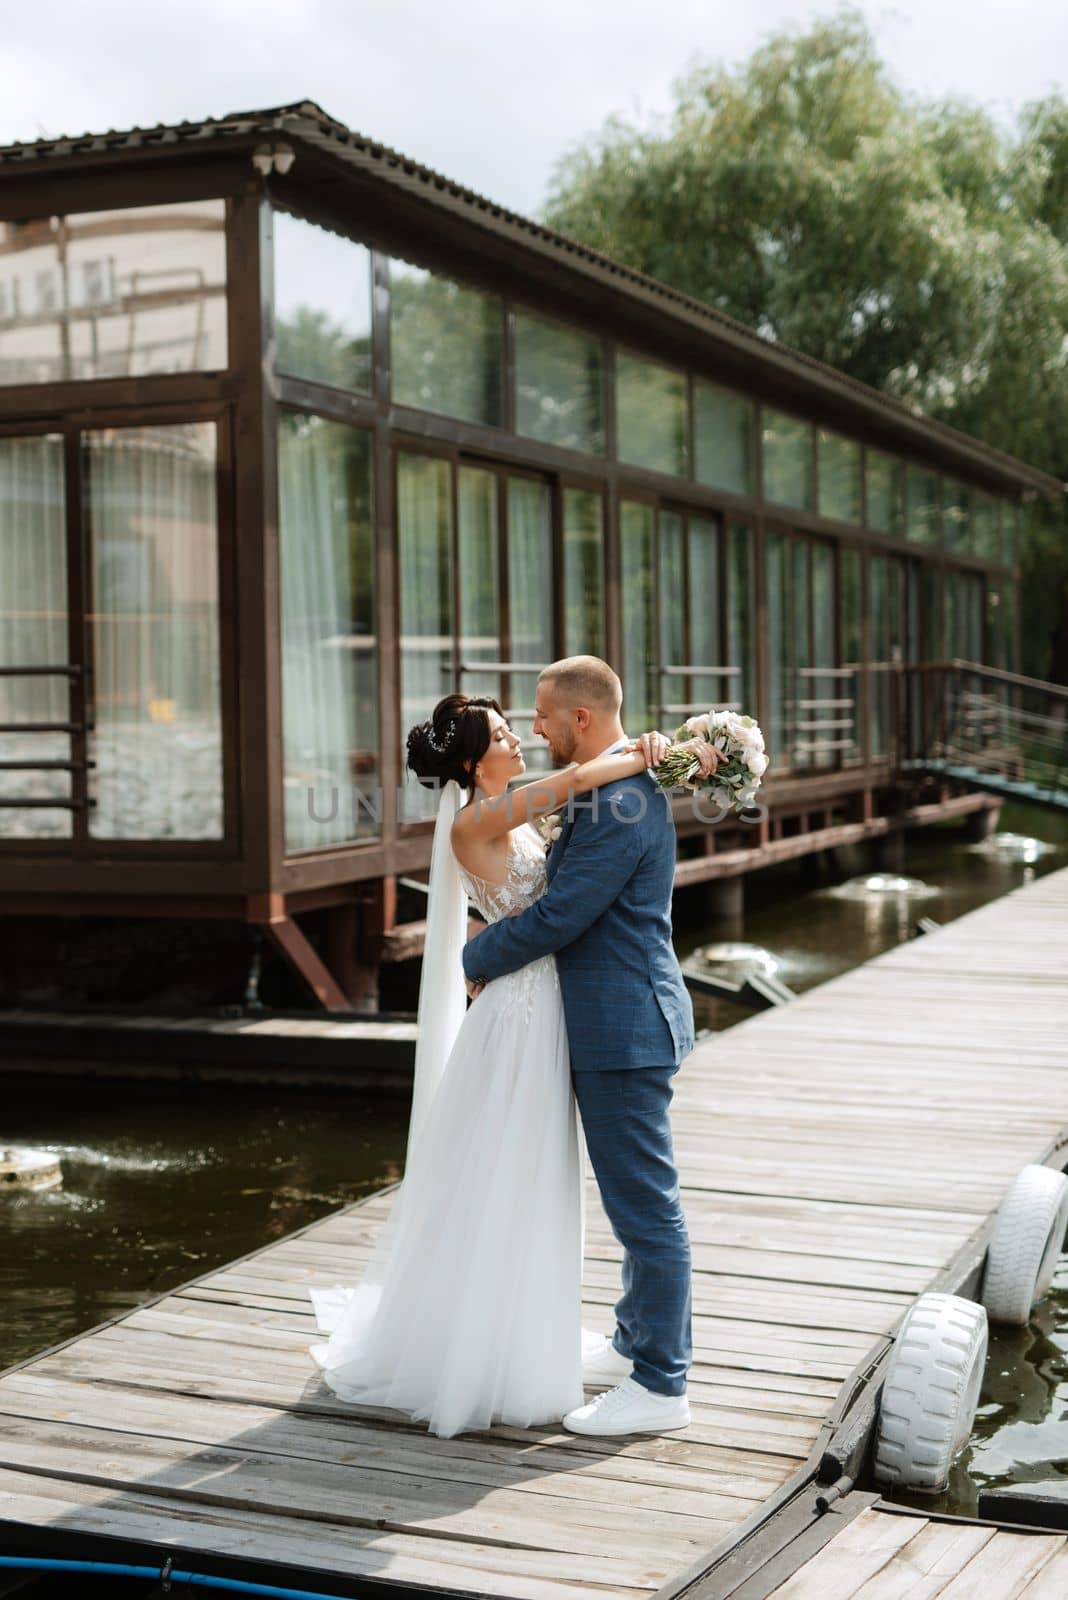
(439, 747)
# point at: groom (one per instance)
(606, 915)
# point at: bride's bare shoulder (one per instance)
(482, 858)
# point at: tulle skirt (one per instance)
(469, 1311)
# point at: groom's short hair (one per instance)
(585, 681)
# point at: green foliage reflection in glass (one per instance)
(839, 477)
(924, 520)
(886, 492)
(650, 415)
(957, 516)
(787, 460)
(479, 586)
(723, 438)
(446, 342)
(636, 559)
(583, 572)
(986, 534)
(322, 305)
(558, 385)
(741, 616)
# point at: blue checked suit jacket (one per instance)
(606, 916)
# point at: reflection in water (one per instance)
(734, 958)
(880, 885)
(1013, 847)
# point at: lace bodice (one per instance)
(523, 883)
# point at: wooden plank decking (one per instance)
(884, 1554)
(836, 1156)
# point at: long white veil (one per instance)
(442, 994)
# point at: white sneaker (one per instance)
(630, 1408)
(605, 1366)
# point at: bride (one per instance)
(469, 1310)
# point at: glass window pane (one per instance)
(1010, 531)
(329, 646)
(924, 523)
(723, 438)
(114, 294)
(636, 560)
(956, 515)
(583, 573)
(706, 646)
(424, 546)
(798, 685)
(821, 683)
(852, 646)
(879, 634)
(741, 619)
(964, 615)
(999, 625)
(33, 633)
(157, 744)
(445, 346)
(986, 534)
(787, 460)
(480, 638)
(650, 414)
(778, 646)
(932, 612)
(886, 493)
(839, 477)
(530, 604)
(322, 293)
(671, 690)
(558, 385)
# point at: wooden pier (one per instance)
(839, 1155)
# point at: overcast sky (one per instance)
(490, 92)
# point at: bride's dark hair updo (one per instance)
(453, 741)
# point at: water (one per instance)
(165, 1182)
(797, 915)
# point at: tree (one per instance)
(913, 246)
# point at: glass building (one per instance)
(297, 436)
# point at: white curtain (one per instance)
(155, 618)
(329, 721)
(33, 630)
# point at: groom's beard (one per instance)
(559, 756)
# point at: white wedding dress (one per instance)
(469, 1312)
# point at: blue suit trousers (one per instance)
(625, 1120)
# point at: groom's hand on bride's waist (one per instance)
(474, 986)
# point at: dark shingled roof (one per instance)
(306, 121)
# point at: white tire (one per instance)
(1025, 1244)
(931, 1392)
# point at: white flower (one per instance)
(698, 724)
(551, 827)
(756, 761)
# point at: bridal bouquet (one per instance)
(736, 779)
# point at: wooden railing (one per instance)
(999, 729)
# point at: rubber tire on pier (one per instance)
(1025, 1245)
(931, 1392)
